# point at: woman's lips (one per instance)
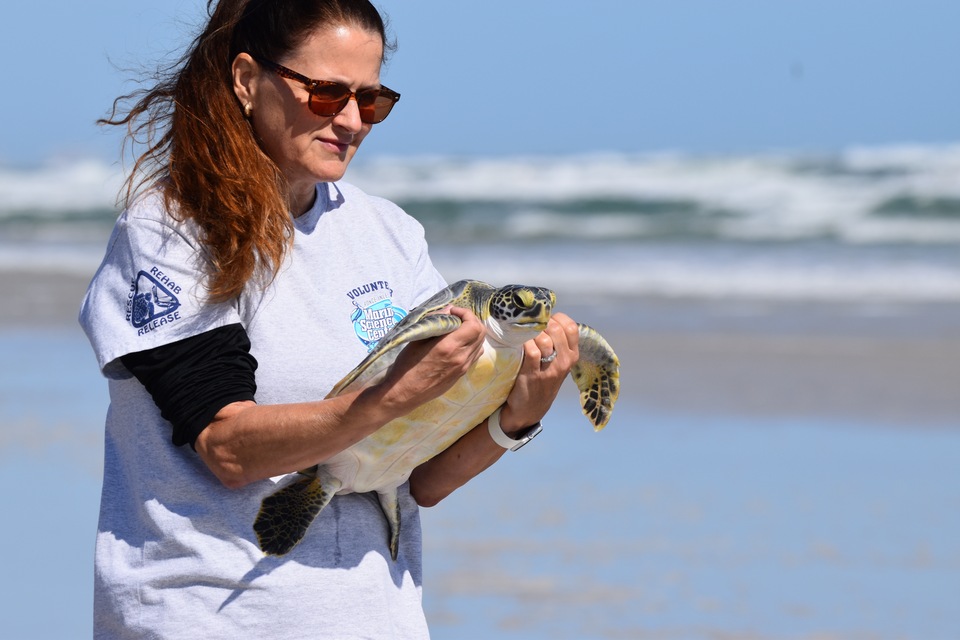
(335, 145)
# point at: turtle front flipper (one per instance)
(387, 349)
(390, 504)
(286, 514)
(597, 375)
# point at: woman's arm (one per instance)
(246, 442)
(536, 388)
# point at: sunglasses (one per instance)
(328, 98)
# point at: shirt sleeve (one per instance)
(191, 379)
(150, 288)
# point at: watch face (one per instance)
(527, 436)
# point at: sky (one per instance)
(544, 77)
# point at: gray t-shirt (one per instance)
(176, 555)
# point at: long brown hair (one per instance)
(204, 154)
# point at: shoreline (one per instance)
(893, 365)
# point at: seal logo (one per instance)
(374, 314)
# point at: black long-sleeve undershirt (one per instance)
(192, 379)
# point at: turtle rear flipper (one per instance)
(286, 514)
(597, 375)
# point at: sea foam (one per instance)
(862, 224)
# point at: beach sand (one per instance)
(909, 381)
(40, 298)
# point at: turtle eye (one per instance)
(522, 299)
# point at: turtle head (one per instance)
(517, 313)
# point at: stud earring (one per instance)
(247, 110)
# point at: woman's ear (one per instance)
(245, 74)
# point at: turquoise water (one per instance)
(661, 526)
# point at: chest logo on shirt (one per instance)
(374, 314)
(153, 301)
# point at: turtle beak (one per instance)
(531, 325)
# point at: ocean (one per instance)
(866, 224)
(782, 463)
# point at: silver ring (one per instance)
(549, 358)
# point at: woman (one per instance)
(224, 311)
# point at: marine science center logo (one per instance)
(152, 301)
(375, 313)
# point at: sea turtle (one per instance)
(384, 460)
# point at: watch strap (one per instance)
(505, 441)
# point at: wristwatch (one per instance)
(505, 441)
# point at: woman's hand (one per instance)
(541, 374)
(534, 391)
(426, 369)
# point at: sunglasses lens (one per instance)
(375, 105)
(328, 99)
